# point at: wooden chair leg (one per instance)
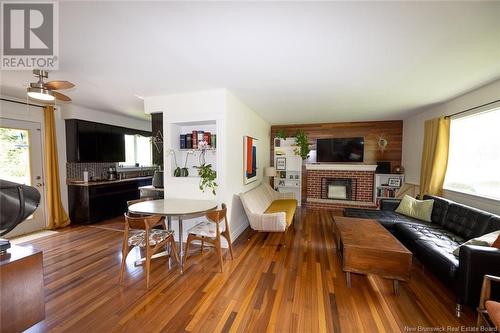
(230, 243)
(125, 251)
(173, 248)
(148, 266)
(219, 254)
(202, 244)
(186, 251)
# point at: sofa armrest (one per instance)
(474, 263)
(389, 204)
(273, 222)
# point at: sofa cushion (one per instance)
(432, 245)
(484, 240)
(288, 206)
(419, 209)
(440, 208)
(437, 256)
(493, 309)
(493, 224)
(466, 221)
(387, 218)
(257, 200)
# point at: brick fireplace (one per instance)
(340, 185)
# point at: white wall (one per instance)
(31, 113)
(241, 121)
(234, 120)
(413, 139)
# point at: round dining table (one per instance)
(180, 208)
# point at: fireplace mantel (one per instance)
(341, 167)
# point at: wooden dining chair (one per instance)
(488, 311)
(139, 231)
(210, 231)
(162, 225)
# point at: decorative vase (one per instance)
(158, 179)
(184, 172)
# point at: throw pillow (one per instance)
(484, 240)
(496, 243)
(419, 209)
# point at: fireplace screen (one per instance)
(338, 188)
(337, 192)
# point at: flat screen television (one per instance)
(340, 150)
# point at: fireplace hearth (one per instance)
(339, 188)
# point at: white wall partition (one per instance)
(220, 112)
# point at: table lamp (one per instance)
(270, 172)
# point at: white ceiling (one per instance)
(290, 62)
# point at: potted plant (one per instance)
(281, 134)
(302, 142)
(208, 177)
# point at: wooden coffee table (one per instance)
(367, 247)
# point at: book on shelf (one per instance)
(206, 137)
(384, 192)
(183, 141)
(195, 140)
(189, 141)
(200, 136)
(213, 141)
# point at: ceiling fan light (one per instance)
(41, 94)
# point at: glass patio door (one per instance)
(21, 162)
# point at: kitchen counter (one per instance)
(103, 199)
(74, 182)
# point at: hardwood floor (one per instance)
(267, 287)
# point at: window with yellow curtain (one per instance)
(474, 155)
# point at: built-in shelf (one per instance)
(382, 188)
(285, 149)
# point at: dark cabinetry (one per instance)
(157, 128)
(94, 203)
(88, 141)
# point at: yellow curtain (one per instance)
(434, 156)
(56, 215)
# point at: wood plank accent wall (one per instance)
(370, 130)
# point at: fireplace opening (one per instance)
(338, 188)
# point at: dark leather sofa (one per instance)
(433, 243)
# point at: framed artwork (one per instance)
(394, 182)
(249, 159)
(280, 163)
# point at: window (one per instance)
(474, 156)
(137, 151)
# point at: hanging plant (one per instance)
(208, 177)
(302, 142)
(177, 170)
(282, 134)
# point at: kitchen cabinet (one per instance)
(88, 141)
(91, 203)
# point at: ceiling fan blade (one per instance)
(58, 85)
(61, 97)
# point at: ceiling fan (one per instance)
(46, 91)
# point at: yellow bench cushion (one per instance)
(287, 205)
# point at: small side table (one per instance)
(22, 301)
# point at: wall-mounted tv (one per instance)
(340, 150)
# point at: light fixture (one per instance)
(41, 94)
